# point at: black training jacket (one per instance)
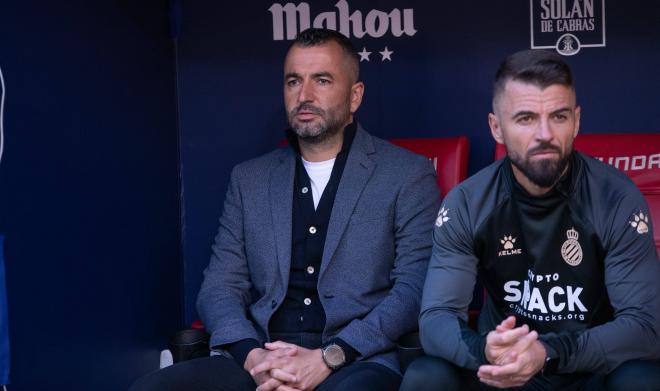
(578, 265)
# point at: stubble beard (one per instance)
(545, 172)
(329, 123)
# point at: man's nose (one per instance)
(306, 93)
(544, 131)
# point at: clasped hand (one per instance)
(283, 366)
(514, 353)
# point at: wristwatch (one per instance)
(550, 366)
(333, 356)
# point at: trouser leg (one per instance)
(362, 376)
(214, 373)
(635, 375)
(429, 373)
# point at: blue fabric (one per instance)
(4, 322)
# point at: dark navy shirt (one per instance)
(301, 310)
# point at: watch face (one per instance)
(333, 356)
(550, 366)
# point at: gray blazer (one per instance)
(374, 261)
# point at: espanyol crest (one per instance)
(571, 250)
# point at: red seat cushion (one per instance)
(448, 154)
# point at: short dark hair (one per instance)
(319, 36)
(538, 67)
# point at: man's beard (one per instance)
(545, 172)
(331, 122)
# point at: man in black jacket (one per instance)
(563, 245)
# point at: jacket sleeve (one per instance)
(632, 279)
(225, 292)
(448, 288)
(396, 315)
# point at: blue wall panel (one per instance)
(89, 194)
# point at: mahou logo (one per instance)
(289, 19)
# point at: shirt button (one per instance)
(302, 319)
(310, 269)
(312, 230)
(305, 190)
(307, 301)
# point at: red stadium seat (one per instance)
(448, 154)
(638, 155)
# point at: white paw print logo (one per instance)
(442, 217)
(641, 222)
(508, 242)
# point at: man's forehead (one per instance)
(517, 93)
(328, 57)
(326, 52)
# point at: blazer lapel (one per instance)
(281, 206)
(357, 171)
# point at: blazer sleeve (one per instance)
(224, 296)
(416, 205)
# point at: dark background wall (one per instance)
(89, 194)
(105, 249)
(437, 84)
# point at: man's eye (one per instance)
(561, 117)
(323, 81)
(292, 82)
(525, 119)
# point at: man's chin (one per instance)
(310, 136)
(544, 173)
(307, 133)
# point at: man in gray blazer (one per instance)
(323, 245)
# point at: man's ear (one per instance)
(495, 128)
(357, 91)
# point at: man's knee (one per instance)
(211, 373)
(635, 375)
(165, 379)
(431, 373)
(362, 376)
